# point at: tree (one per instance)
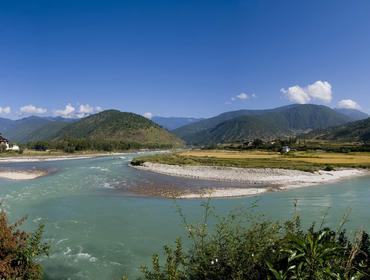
(19, 250)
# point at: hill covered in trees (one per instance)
(265, 124)
(352, 132)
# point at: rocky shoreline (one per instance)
(276, 179)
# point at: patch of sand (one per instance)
(281, 179)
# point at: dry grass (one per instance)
(230, 154)
(311, 157)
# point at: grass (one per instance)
(305, 161)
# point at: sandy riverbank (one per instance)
(278, 179)
(54, 157)
(21, 175)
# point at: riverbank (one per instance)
(54, 157)
(253, 178)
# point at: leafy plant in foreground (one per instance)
(247, 246)
(19, 251)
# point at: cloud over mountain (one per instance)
(5, 110)
(320, 91)
(83, 110)
(31, 109)
(348, 104)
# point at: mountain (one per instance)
(351, 132)
(249, 124)
(108, 125)
(46, 132)
(354, 114)
(31, 128)
(5, 124)
(113, 125)
(172, 123)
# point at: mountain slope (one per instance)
(20, 129)
(354, 114)
(31, 128)
(112, 125)
(47, 132)
(351, 132)
(249, 124)
(172, 123)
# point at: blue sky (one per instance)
(181, 58)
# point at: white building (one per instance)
(12, 148)
(4, 141)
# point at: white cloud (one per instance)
(86, 109)
(83, 110)
(241, 96)
(67, 112)
(31, 109)
(320, 91)
(348, 104)
(296, 94)
(5, 110)
(148, 115)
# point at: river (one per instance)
(99, 228)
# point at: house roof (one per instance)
(2, 139)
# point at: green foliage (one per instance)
(328, 168)
(19, 251)
(244, 245)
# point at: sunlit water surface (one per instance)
(99, 229)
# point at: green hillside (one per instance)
(250, 124)
(32, 128)
(354, 114)
(48, 131)
(352, 132)
(172, 123)
(21, 129)
(116, 126)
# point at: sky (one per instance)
(194, 58)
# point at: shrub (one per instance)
(244, 246)
(329, 168)
(19, 250)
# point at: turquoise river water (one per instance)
(99, 228)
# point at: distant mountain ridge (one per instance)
(266, 124)
(172, 123)
(354, 114)
(227, 127)
(31, 128)
(358, 131)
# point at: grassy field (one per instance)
(306, 161)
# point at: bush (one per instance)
(19, 250)
(329, 168)
(244, 246)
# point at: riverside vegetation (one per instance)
(242, 245)
(246, 246)
(300, 160)
(19, 250)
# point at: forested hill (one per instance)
(351, 132)
(116, 126)
(249, 124)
